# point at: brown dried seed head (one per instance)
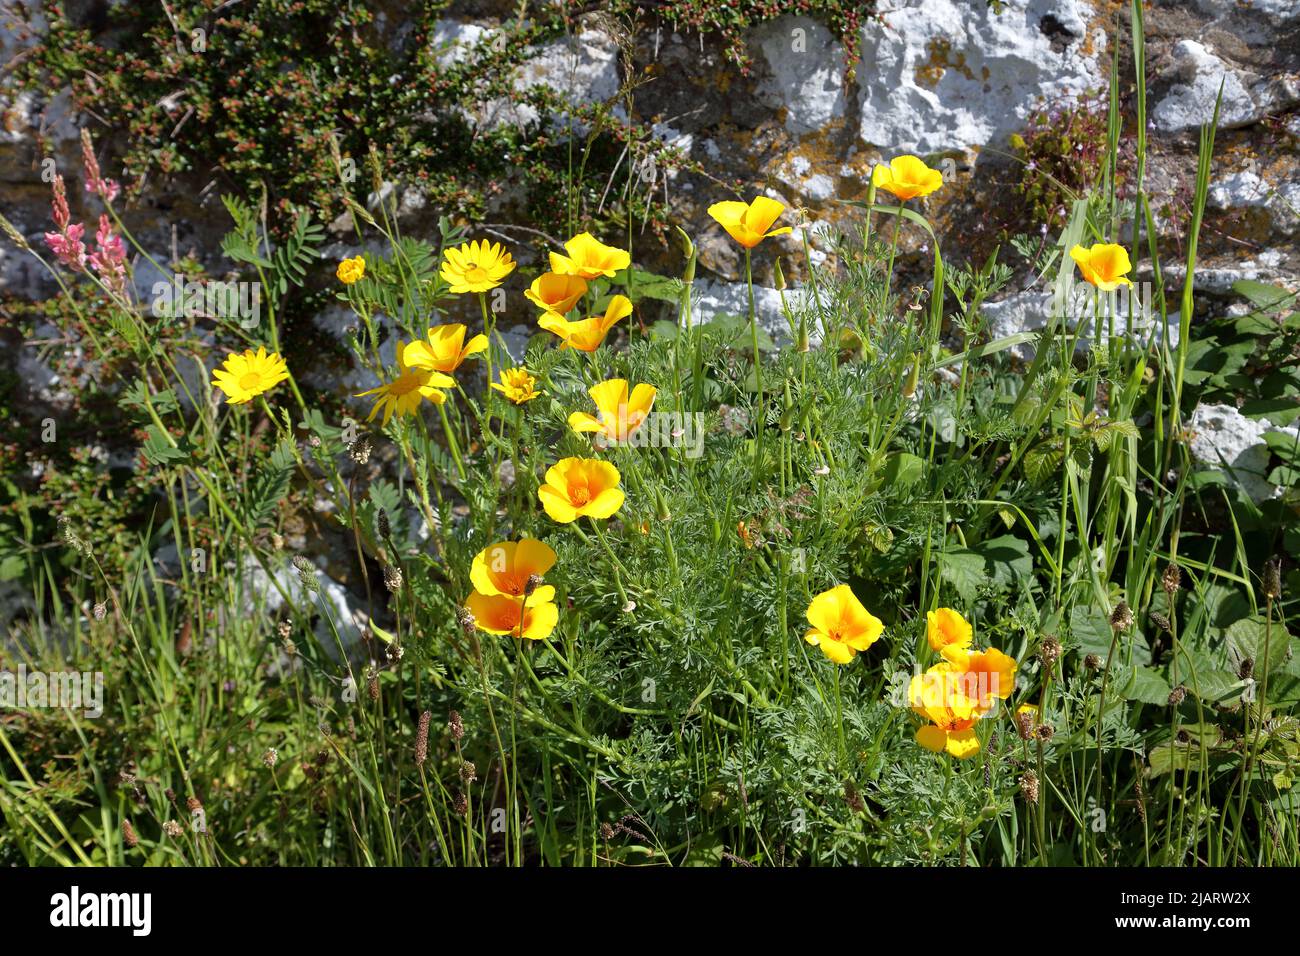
(1121, 619)
(532, 584)
(392, 578)
(1029, 786)
(359, 451)
(1092, 662)
(468, 772)
(422, 739)
(465, 618)
(1160, 621)
(1172, 579)
(270, 758)
(172, 829)
(1025, 725)
(193, 803)
(381, 524)
(129, 836)
(1246, 669)
(461, 804)
(456, 726)
(1177, 695)
(1049, 651)
(1045, 731)
(1271, 579)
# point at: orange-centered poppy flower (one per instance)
(554, 292)
(506, 567)
(906, 177)
(502, 614)
(946, 628)
(620, 415)
(951, 714)
(989, 676)
(587, 334)
(841, 626)
(749, 223)
(589, 258)
(444, 349)
(1105, 265)
(581, 487)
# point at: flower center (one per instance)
(406, 383)
(477, 274)
(250, 381)
(580, 494)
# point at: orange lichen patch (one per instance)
(940, 60)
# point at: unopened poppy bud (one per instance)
(778, 276)
(803, 344)
(661, 507)
(913, 377)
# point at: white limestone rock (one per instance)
(806, 66)
(949, 74)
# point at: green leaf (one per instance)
(158, 450)
(1147, 686)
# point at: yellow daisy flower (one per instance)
(244, 377)
(350, 270)
(476, 266)
(404, 393)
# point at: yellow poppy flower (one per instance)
(350, 270)
(938, 696)
(587, 334)
(749, 223)
(443, 350)
(502, 614)
(841, 626)
(1105, 265)
(589, 258)
(581, 488)
(476, 266)
(620, 415)
(245, 376)
(946, 627)
(991, 672)
(554, 292)
(517, 385)
(404, 393)
(506, 567)
(906, 177)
